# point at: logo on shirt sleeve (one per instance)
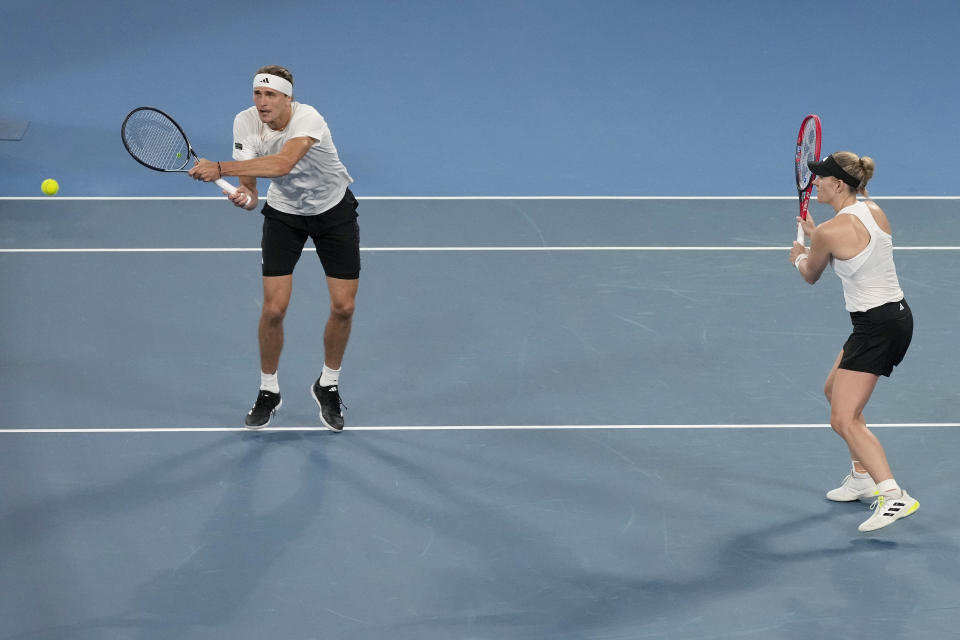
(238, 146)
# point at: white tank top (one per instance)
(869, 279)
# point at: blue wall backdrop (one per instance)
(496, 97)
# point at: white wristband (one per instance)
(800, 258)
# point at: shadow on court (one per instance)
(240, 538)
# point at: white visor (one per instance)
(273, 82)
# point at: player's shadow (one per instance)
(169, 476)
(521, 581)
(240, 540)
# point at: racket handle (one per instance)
(229, 188)
(226, 186)
(799, 233)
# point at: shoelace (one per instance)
(878, 503)
(261, 403)
(338, 402)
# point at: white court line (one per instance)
(142, 250)
(425, 249)
(526, 427)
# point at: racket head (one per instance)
(808, 150)
(155, 140)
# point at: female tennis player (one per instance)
(857, 241)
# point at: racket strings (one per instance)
(808, 153)
(156, 141)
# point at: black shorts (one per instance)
(335, 233)
(879, 340)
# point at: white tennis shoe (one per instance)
(887, 510)
(853, 489)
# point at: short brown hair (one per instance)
(276, 70)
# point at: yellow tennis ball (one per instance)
(49, 186)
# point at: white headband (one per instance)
(273, 82)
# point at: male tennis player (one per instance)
(859, 244)
(290, 143)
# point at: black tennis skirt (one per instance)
(879, 340)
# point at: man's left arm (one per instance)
(272, 166)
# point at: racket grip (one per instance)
(799, 233)
(229, 188)
(226, 186)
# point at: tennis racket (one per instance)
(156, 141)
(808, 150)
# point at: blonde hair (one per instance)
(858, 167)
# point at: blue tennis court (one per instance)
(584, 384)
(571, 435)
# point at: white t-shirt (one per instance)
(317, 182)
(869, 278)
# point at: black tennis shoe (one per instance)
(328, 399)
(263, 409)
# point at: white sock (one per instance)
(269, 382)
(856, 474)
(329, 377)
(889, 486)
